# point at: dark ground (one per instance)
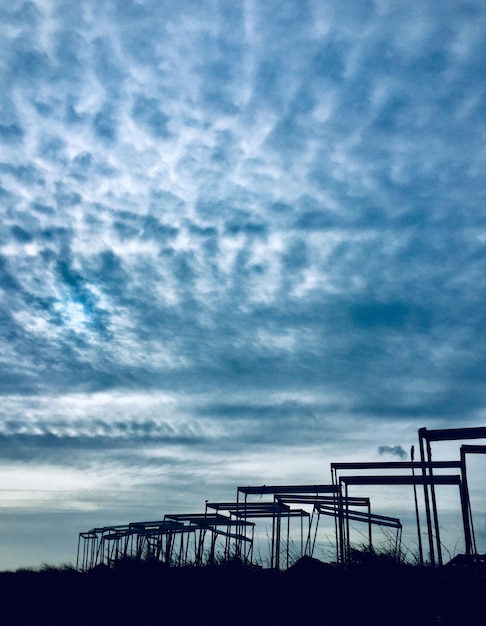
(309, 592)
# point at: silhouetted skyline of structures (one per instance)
(192, 538)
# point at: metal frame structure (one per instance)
(192, 538)
(470, 449)
(425, 439)
(278, 510)
(152, 540)
(141, 540)
(202, 524)
(343, 531)
(158, 540)
(342, 513)
(390, 480)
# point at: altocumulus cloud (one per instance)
(236, 233)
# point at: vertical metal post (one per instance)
(340, 522)
(434, 505)
(417, 516)
(421, 433)
(370, 537)
(272, 548)
(348, 539)
(465, 505)
(315, 534)
(250, 552)
(181, 548)
(238, 541)
(277, 544)
(301, 536)
(288, 541)
(77, 555)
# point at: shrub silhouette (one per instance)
(373, 589)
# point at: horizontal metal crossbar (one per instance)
(401, 480)
(416, 465)
(282, 514)
(360, 516)
(208, 520)
(315, 500)
(276, 489)
(238, 507)
(473, 449)
(453, 434)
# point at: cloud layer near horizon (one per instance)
(233, 226)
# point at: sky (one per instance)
(239, 240)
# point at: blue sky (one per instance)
(239, 240)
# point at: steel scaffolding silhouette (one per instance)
(226, 530)
(425, 439)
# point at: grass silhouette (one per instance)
(372, 589)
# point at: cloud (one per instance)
(104, 124)
(11, 133)
(147, 113)
(393, 451)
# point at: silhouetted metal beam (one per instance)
(361, 516)
(467, 511)
(276, 489)
(453, 434)
(396, 465)
(233, 507)
(426, 480)
(401, 480)
(445, 434)
(314, 500)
